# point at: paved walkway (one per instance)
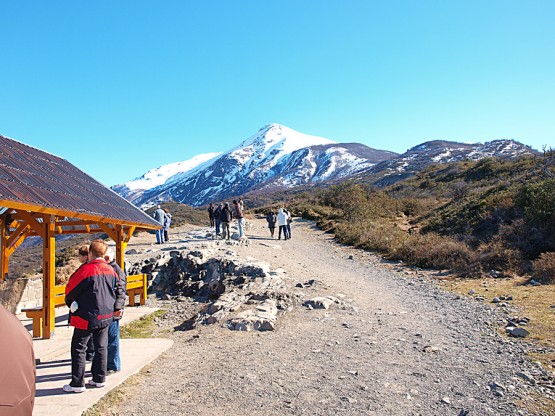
(54, 367)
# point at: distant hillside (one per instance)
(491, 216)
(439, 152)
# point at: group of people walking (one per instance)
(283, 220)
(95, 294)
(220, 217)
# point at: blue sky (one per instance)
(120, 87)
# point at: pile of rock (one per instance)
(241, 293)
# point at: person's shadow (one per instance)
(62, 376)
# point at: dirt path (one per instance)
(398, 346)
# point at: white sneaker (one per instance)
(69, 389)
(95, 384)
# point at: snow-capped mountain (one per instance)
(275, 156)
(441, 151)
(155, 177)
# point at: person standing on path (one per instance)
(159, 215)
(91, 297)
(226, 216)
(83, 254)
(271, 219)
(217, 220)
(282, 223)
(114, 361)
(238, 211)
(17, 367)
(289, 220)
(167, 223)
(211, 211)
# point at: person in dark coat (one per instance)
(271, 218)
(211, 210)
(217, 219)
(114, 361)
(17, 367)
(225, 217)
(91, 297)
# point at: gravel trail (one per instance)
(397, 345)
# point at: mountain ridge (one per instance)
(278, 156)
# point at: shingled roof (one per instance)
(34, 180)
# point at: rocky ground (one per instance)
(253, 335)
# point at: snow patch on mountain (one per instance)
(159, 176)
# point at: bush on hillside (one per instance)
(544, 268)
(432, 250)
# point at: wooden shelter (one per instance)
(44, 195)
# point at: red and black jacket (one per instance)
(92, 286)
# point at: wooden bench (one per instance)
(37, 313)
(136, 285)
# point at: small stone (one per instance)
(430, 349)
(348, 399)
(497, 386)
(519, 332)
(471, 291)
(446, 400)
(496, 300)
(527, 377)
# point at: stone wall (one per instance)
(16, 294)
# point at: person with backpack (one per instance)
(225, 217)
(271, 219)
(211, 216)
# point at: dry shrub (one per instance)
(381, 236)
(497, 256)
(544, 268)
(432, 250)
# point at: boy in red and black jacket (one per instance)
(91, 296)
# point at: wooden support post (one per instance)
(4, 257)
(49, 276)
(123, 236)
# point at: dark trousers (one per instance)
(78, 351)
(284, 229)
(211, 221)
(166, 236)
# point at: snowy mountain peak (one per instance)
(274, 136)
(275, 155)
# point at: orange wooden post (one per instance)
(4, 257)
(143, 297)
(49, 276)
